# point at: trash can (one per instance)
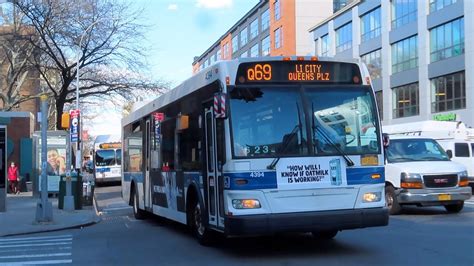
(76, 191)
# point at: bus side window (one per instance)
(168, 143)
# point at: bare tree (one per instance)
(105, 37)
(16, 52)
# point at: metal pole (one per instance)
(44, 209)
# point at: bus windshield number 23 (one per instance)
(260, 72)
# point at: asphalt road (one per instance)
(420, 236)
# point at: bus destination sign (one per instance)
(298, 71)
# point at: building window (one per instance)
(325, 45)
(403, 12)
(447, 40)
(235, 44)
(277, 10)
(244, 54)
(344, 38)
(278, 38)
(373, 61)
(436, 5)
(218, 54)
(379, 100)
(265, 19)
(226, 50)
(405, 101)
(370, 25)
(243, 37)
(254, 51)
(404, 54)
(212, 58)
(266, 46)
(448, 93)
(253, 29)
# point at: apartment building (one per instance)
(420, 55)
(270, 28)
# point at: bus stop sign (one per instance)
(75, 118)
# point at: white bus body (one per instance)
(258, 146)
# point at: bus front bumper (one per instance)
(305, 221)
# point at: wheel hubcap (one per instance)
(198, 220)
(389, 200)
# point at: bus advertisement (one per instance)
(258, 146)
(107, 159)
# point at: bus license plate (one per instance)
(444, 197)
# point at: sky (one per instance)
(179, 31)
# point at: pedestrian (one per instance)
(13, 178)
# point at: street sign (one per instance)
(159, 117)
(74, 125)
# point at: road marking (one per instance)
(36, 250)
(469, 202)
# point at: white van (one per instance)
(461, 151)
(419, 172)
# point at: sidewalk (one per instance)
(21, 214)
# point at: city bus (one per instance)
(257, 146)
(107, 159)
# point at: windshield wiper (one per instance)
(323, 133)
(285, 145)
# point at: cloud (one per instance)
(173, 7)
(214, 4)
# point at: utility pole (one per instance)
(44, 209)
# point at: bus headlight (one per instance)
(246, 204)
(372, 197)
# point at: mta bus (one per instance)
(107, 159)
(256, 146)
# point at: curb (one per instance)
(96, 220)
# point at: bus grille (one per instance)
(434, 181)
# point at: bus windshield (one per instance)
(271, 121)
(105, 157)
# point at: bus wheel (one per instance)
(199, 229)
(454, 208)
(391, 201)
(137, 213)
(327, 235)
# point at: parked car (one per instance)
(419, 172)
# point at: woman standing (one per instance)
(13, 178)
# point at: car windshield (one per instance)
(105, 157)
(271, 121)
(409, 150)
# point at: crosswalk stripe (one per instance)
(469, 202)
(35, 241)
(35, 238)
(36, 255)
(40, 249)
(35, 245)
(39, 262)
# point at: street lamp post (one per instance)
(79, 137)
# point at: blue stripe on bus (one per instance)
(355, 176)
(363, 175)
(268, 180)
(129, 176)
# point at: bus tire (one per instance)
(454, 208)
(391, 200)
(137, 213)
(326, 235)
(198, 227)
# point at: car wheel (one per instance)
(391, 201)
(454, 208)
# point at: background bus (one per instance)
(107, 159)
(257, 146)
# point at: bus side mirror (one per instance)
(450, 154)
(220, 105)
(385, 140)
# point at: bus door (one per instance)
(214, 184)
(146, 180)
